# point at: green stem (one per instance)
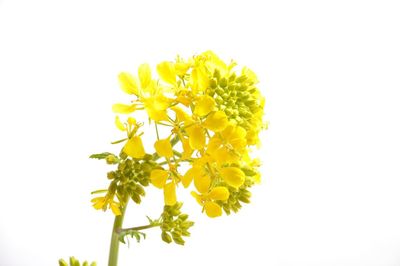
(138, 228)
(114, 246)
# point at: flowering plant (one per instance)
(212, 115)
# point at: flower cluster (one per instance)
(207, 116)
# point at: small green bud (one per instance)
(219, 91)
(139, 190)
(228, 111)
(213, 83)
(244, 199)
(178, 240)
(62, 262)
(252, 90)
(232, 77)
(111, 175)
(148, 157)
(85, 263)
(123, 155)
(183, 217)
(219, 100)
(136, 198)
(144, 182)
(241, 78)
(73, 261)
(217, 74)
(166, 237)
(185, 233)
(112, 159)
(165, 226)
(223, 82)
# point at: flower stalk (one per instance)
(114, 244)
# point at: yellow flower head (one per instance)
(207, 115)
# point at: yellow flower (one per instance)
(207, 200)
(166, 70)
(144, 76)
(159, 178)
(128, 83)
(164, 148)
(102, 203)
(199, 79)
(170, 194)
(134, 147)
(229, 145)
(197, 138)
(216, 121)
(124, 108)
(233, 176)
(204, 105)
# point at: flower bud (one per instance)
(166, 237)
(213, 83)
(112, 159)
(223, 82)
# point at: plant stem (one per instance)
(138, 228)
(114, 245)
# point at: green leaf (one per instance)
(100, 156)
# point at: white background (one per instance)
(331, 179)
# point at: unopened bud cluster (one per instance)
(175, 224)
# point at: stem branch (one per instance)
(114, 245)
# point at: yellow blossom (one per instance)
(128, 83)
(163, 148)
(204, 105)
(134, 147)
(166, 70)
(233, 176)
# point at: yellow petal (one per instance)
(191, 173)
(128, 83)
(181, 68)
(164, 148)
(212, 209)
(238, 138)
(170, 194)
(219, 193)
(157, 115)
(166, 71)
(144, 75)
(134, 147)
(180, 114)
(156, 108)
(98, 202)
(131, 121)
(123, 108)
(204, 105)
(216, 121)
(198, 197)
(202, 183)
(213, 61)
(187, 150)
(185, 100)
(115, 208)
(197, 137)
(158, 177)
(213, 144)
(199, 79)
(119, 124)
(223, 155)
(250, 74)
(233, 176)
